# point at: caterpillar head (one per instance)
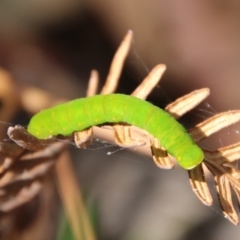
(191, 157)
(38, 126)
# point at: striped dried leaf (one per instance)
(187, 102)
(214, 124)
(199, 185)
(225, 198)
(160, 156)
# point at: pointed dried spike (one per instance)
(223, 180)
(227, 154)
(225, 198)
(184, 104)
(231, 152)
(147, 85)
(199, 185)
(236, 190)
(224, 155)
(234, 178)
(117, 65)
(214, 124)
(93, 83)
(160, 156)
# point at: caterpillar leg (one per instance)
(123, 136)
(160, 155)
(83, 138)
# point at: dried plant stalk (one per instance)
(73, 200)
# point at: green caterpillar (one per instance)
(82, 113)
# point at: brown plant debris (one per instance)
(26, 169)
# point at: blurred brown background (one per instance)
(53, 45)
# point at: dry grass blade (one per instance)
(117, 65)
(199, 185)
(225, 198)
(73, 200)
(235, 183)
(225, 178)
(147, 85)
(187, 102)
(214, 124)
